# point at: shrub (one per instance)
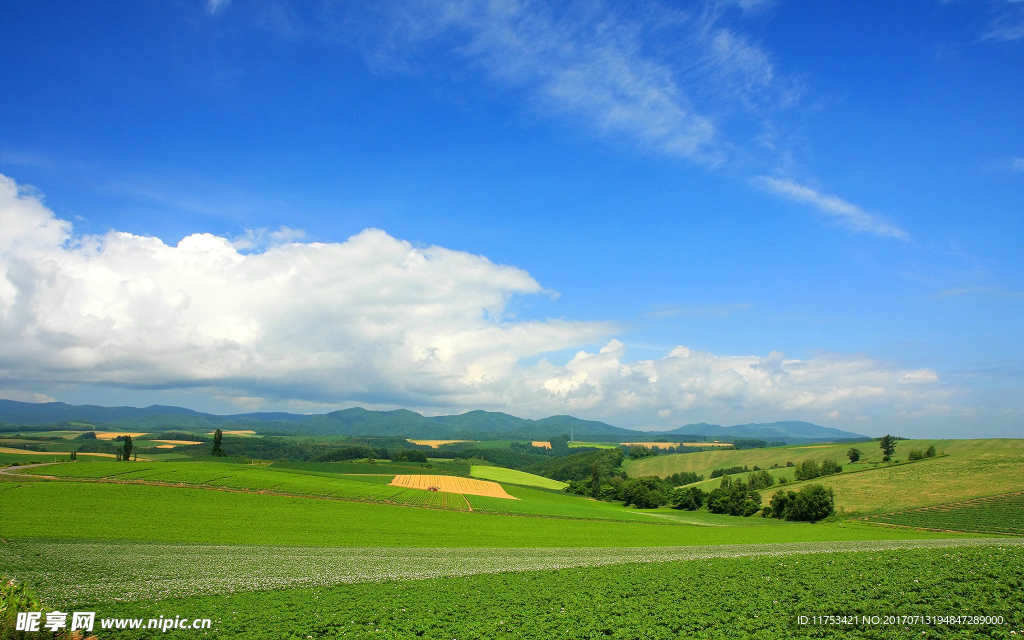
(853, 454)
(930, 453)
(915, 454)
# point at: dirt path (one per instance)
(10, 471)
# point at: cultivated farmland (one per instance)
(996, 514)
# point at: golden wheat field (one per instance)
(110, 435)
(541, 444)
(435, 443)
(452, 484)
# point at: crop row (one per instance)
(69, 573)
(1000, 514)
(714, 597)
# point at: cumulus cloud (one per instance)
(842, 212)
(373, 320)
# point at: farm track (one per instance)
(70, 572)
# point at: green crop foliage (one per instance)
(757, 597)
(998, 514)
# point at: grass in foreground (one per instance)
(747, 597)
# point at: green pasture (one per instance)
(964, 469)
(100, 511)
(501, 474)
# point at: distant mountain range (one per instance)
(400, 423)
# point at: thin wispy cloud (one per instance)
(709, 311)
(213, 7)
(991, 292)
(592, 63)
(843, 213)
(1008, 23)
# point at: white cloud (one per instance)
(842, 212)
(21, 395)
(372, 321)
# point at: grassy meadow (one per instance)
(331, 549)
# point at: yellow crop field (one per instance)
(452, 484)
(541, 444)
(435, 443)
(110, 435)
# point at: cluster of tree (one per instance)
(917, 454)
(352, 452)
(725, 471)
(179, 435)
(124, 453)
(734, 498)
(809, 469)
(595, 466)
(508, 458)
(759, 480)
(751, 443)
(683, 477)
(810, 504)
(639, 452)
(688, 498)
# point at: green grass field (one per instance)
(965, 469)
(501, 474)
(71, 510)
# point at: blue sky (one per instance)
(655, 215)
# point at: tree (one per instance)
(853, 454)
(915, 454)
(560, 445)
(829, 467)
(930, 453)
(126, 455)
(808, 470)
(888, 446)
(218, 436)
